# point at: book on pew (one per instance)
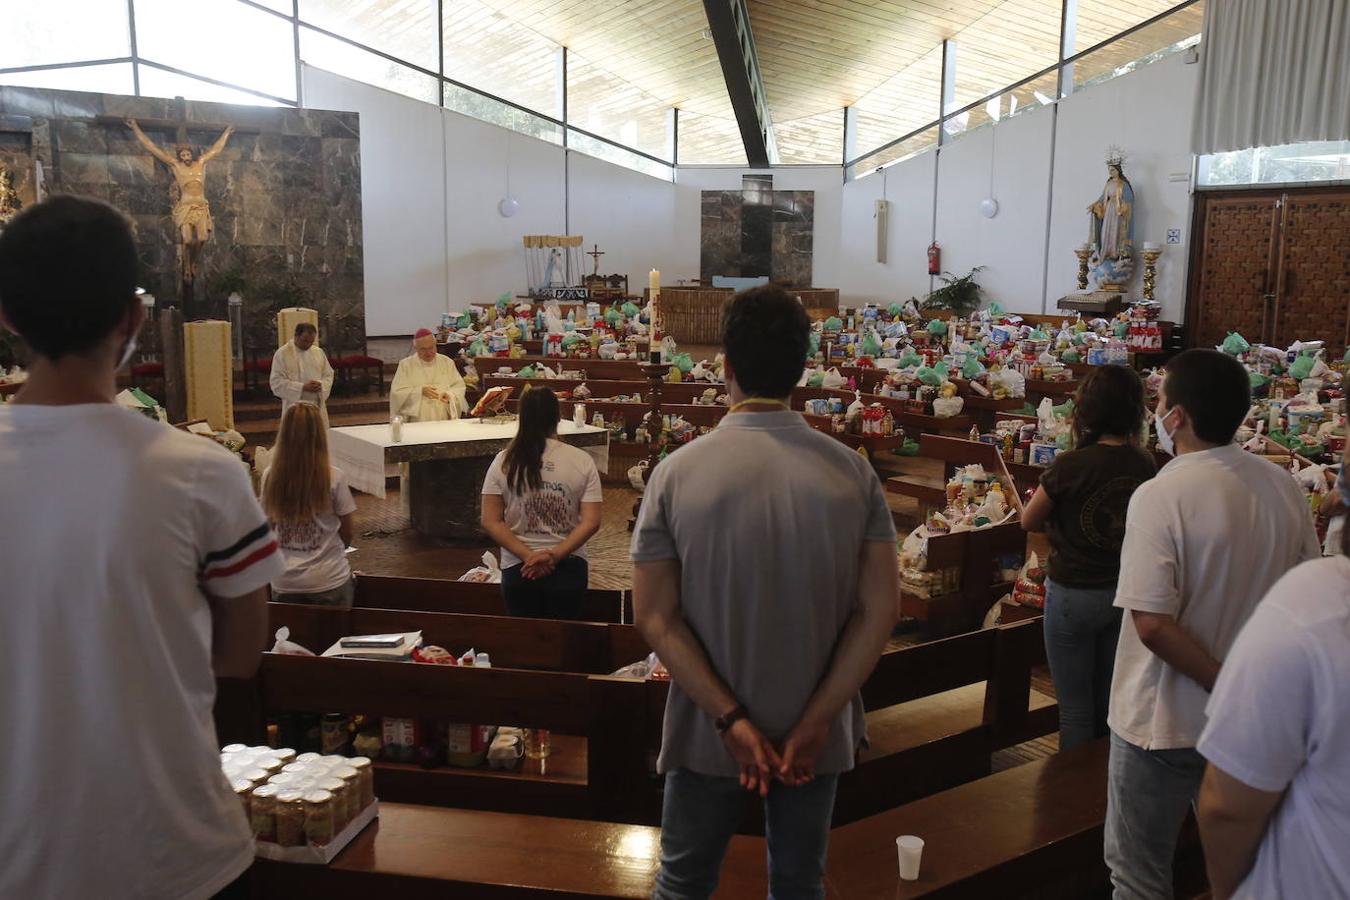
(376, 646)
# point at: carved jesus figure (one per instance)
(191, 213)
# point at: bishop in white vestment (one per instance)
(300, 371)
(427, 386)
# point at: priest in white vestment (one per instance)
(427, 386)
(300, 371)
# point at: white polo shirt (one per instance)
(1204, 542)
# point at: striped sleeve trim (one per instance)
(249, 550)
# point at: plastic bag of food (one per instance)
(487, 573)
(1235, 344)
(1029, 590)
(833, 379)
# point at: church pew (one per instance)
(685, 392)
(445, 595)
(1032, 830)
(464, 854)
(597, 721)
(515, 643)
(613, 369)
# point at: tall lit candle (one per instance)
(654, 281)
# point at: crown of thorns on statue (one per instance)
(1115, 156)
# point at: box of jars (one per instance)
(302, 807)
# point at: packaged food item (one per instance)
(365, 771)
(262, 812)
(243, 790)
(290, 818)
(1029, 589)
(319, 824)
(346, 803)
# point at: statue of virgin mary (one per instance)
(1113, 228)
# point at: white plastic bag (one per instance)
(833, 379)
(286, 646)
(947, 407)
(488, 573)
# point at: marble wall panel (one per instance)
(777, 240)
(285, 196)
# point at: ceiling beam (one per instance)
(729, 22)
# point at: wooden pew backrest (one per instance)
(445, 595)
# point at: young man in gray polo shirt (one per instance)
(766, 581)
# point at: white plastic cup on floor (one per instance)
(910, 849)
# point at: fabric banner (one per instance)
(291, 316)
(210, 373)
(1273, 72)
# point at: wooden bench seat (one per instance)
(445, 595)
(1033, 829)
(455, 853)
(906, 726)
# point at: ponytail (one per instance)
(524, 460)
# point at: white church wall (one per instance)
(1147, 112)
(402, 200)
(630, 215)
(1011, 246)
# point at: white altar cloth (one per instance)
(362, 451)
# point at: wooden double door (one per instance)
(1272, 265)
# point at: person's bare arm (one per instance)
(1037, 512)
(855, 656)
(219, 145)
(154, 150)
(1167, 640)
(238, 634)
(345, 529)
(660, 621)
(1233, 818)
(494, 523)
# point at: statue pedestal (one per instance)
(1103, 303)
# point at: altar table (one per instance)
(447, 464)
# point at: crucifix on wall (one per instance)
(595, 253)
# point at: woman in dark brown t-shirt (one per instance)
(1081, 504)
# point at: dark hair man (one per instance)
(1204, 541)
(766, 582)
(135, 568)
(301, 372)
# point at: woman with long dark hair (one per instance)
(541, 503)
(310, 508)
(1081, 504)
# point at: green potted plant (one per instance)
(962, 295)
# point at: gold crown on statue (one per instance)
(1115, 156)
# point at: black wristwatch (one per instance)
(722, 723)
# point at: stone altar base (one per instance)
(445, 497)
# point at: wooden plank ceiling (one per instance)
(816, 56)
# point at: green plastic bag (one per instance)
(937, 327)
(895, 309)
(1027, 410)
(612, 316)
(1301, 368)
(871, 344)
(909, 448)
(815, 380)
(684, 362)
(814, 346)
(910, 358)
(571, 339)
(630, 310)
(1235, 344)
(971, 369)
(1065, 409)
(834, 323)
(478, 348)
(995, 310)
(504, 300)
(1257, 380)
(1121, 329)
(1038, 335)
(929, 376)
(1071, 356)
(527, 372)
(465, 321)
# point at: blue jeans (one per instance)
(1147, 795)
(1081, 631)
(700, 814)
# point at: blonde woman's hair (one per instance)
(298, 485)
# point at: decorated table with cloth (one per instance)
(447, 464)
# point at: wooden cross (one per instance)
(595, 253)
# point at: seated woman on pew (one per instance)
(1081, 504)
(310, 508)
(541, 503)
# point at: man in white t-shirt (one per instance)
(1274, 808)
(135, 561)
(1204, 541)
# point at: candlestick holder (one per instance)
(1082, 254)
(1150, 270)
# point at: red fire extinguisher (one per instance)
(934, 259)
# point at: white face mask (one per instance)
(1165, 443)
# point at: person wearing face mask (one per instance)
(135, 573)
(1204, 541)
